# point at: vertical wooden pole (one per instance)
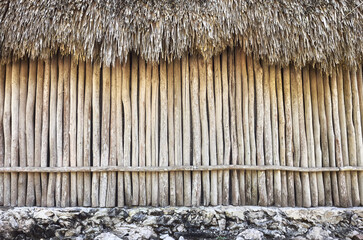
(267, 135)
(22, 136)
(282, 136)
(360, 93)
(105, 132)
(289, 143)
(296, 135)
(171, 139)
(338, 146)
(59, 161)
(310, 136)
(318, 154)
(87, 133)
(66, 94)
(324, 139)
(45, 131)
(148, 123)
(163, 161)
(142, 80)
(7, 136)
(119, 137)
(134, 129)
(241, 72)
(178, 131)
(30, 106)
(80, 129)
(251, 123)
(246, 109)
(96, 138)
(155, 133)
(262, 201)
(2, 147)
(234, 144)
(186, 130)
(219, 122)
(275, 136)
(52, 130)
(204, 124)
(212, 133)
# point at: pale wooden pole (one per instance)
(2, 146)
(22, 133)
(52, 130)
(155, 134)
(148, 123)
(246, 109)
(262, 192)
(80, 131)
(119, 136)
(178, 131)
(186, 130)
(163, 152)
(7, 137)
(289, 143)
(87, 133)
(316, 124)
(105, 132)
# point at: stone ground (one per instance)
(181, 223)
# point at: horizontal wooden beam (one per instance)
(175, 169)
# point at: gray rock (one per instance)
(251, 234)
(317, 233)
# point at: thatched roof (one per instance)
(300, 31)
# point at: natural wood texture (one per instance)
(142, 128)
(87, 133)
(360, 88)
(318, 154)
(155, 134)
(178, 131)
(105, 132)
(29, 125)
(80, 130)
(310, 136)
(2, 137)
(52, 130)
(267, 133)
(163, 154)
(324, 138)
(73, 129)
(7, 137)
(186, 129)
(251, 123)
(134, 128)
(289, 144)
(119, 136)
(22, 137)
(59, 131)
(219, 122)
(262, 192)
(66, 119)
(148, 123)
(171, 135)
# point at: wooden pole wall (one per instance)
(229, 130)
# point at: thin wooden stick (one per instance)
(45, 131)
(87, 134)
(246, 109)
(338, 146)
(119, 130)
(80, 130)
(22, 137)
(96, 137)
(204, 125)
(289, 143)
(178, 132)
(267, 135)
(163, 160)
(155, 134)
(262, 201)
(219, 122)
(318, 155)
(134, 128)
(105, 132)
(251, 123)
(7, 135)
(358, 130)
(275, 136)
(234, 144)
(212, 133)
(241, 72)
(282, 138)
(52, 130)
(142, 80)
(310, 136)
(186, 130)
(148, 123)
(171, 139)
(324, 139)
(2, 144)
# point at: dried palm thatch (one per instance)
(309, 31)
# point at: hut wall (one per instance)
(232, 130)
